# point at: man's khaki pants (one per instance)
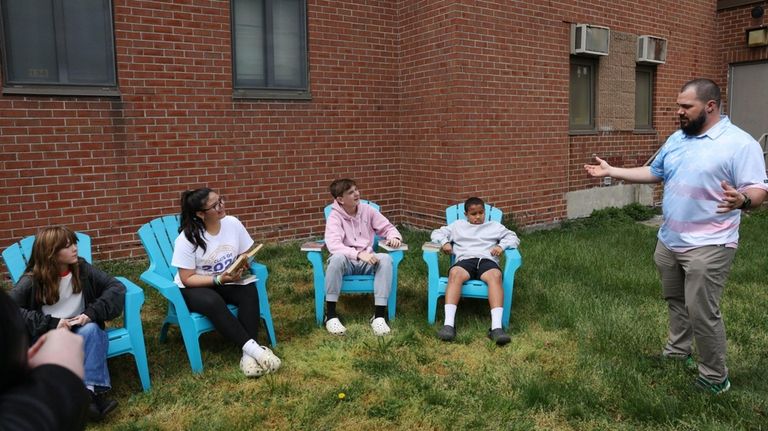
(692, 283)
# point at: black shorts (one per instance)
(476, 267)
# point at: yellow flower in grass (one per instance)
(342, 395)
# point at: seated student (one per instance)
(208, 242)
(61, 290)
(41, 388)
(477, 245)
(349, 234)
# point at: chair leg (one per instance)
(164, 331)
(270, 331)
(431, 306)
(319, 304)
(139, 352)
(192, 344)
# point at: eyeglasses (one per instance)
(217, 206)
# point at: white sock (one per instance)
(450, 314)
(496, 317)
(90, 388)
(252, 349)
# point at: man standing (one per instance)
(711, 171)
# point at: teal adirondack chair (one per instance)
(158, 237)
(126, 339)
(436, 284)
(351, 283)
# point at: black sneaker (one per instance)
(499, 336)
(100, 406)
(447, 333)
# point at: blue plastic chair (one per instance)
(126, 339)
(436, 285)
(158, 237)
(351, 283)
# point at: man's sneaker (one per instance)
(447, 333)
(499, 336)
(713, 388)
(379, 326)
(335, 327)
(687, 361)
(690, 364)
(100, 406)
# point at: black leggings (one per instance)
(212, 302)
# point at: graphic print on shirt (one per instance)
(218, 259)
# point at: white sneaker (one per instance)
(250, 367)
(269, 361)
(335, 327)
(379, 326)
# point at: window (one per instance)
(644, 97)
(58, 47)
(269, 48)
(581, 113)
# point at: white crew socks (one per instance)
(496, 317)
(252, 349)
(450, 314)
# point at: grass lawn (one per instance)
(588, 323)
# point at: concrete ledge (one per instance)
(581, 203)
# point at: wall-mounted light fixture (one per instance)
(757, 36)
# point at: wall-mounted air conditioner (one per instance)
(651, 50)
(589, 39)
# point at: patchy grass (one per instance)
(587, 320)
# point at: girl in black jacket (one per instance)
(60, 290)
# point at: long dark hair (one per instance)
(193, 201)
(43, 265)
(13, 343)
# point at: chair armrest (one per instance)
(513, 261)
(430, 255)
(167, 288)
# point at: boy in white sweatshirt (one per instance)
(477, 245)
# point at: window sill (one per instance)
(61, 91)
(582, 132)
(243, 94)
(645, 132)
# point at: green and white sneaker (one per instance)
(713, 388)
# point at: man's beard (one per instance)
(693, 128)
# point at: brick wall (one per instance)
(424, 102)
(732, 25)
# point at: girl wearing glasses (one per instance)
(209, 241)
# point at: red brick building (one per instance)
(424, 102)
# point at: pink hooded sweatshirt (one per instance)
(349, 235)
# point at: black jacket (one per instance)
(104, 298)
(49, 397)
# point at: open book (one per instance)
(383, 244)
(243, 260)
(313, 246)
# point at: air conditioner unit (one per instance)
(589, 39)
(651, 50)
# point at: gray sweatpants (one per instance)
(692, 284)
(340, 265)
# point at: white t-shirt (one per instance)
(69, 304)
(232, 240)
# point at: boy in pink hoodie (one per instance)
(349, 234)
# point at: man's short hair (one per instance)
(472, 202)
(706, 90)
(339, 187)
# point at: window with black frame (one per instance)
(581, 113)
(644, 97)
(269, 46)
(58, 47)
